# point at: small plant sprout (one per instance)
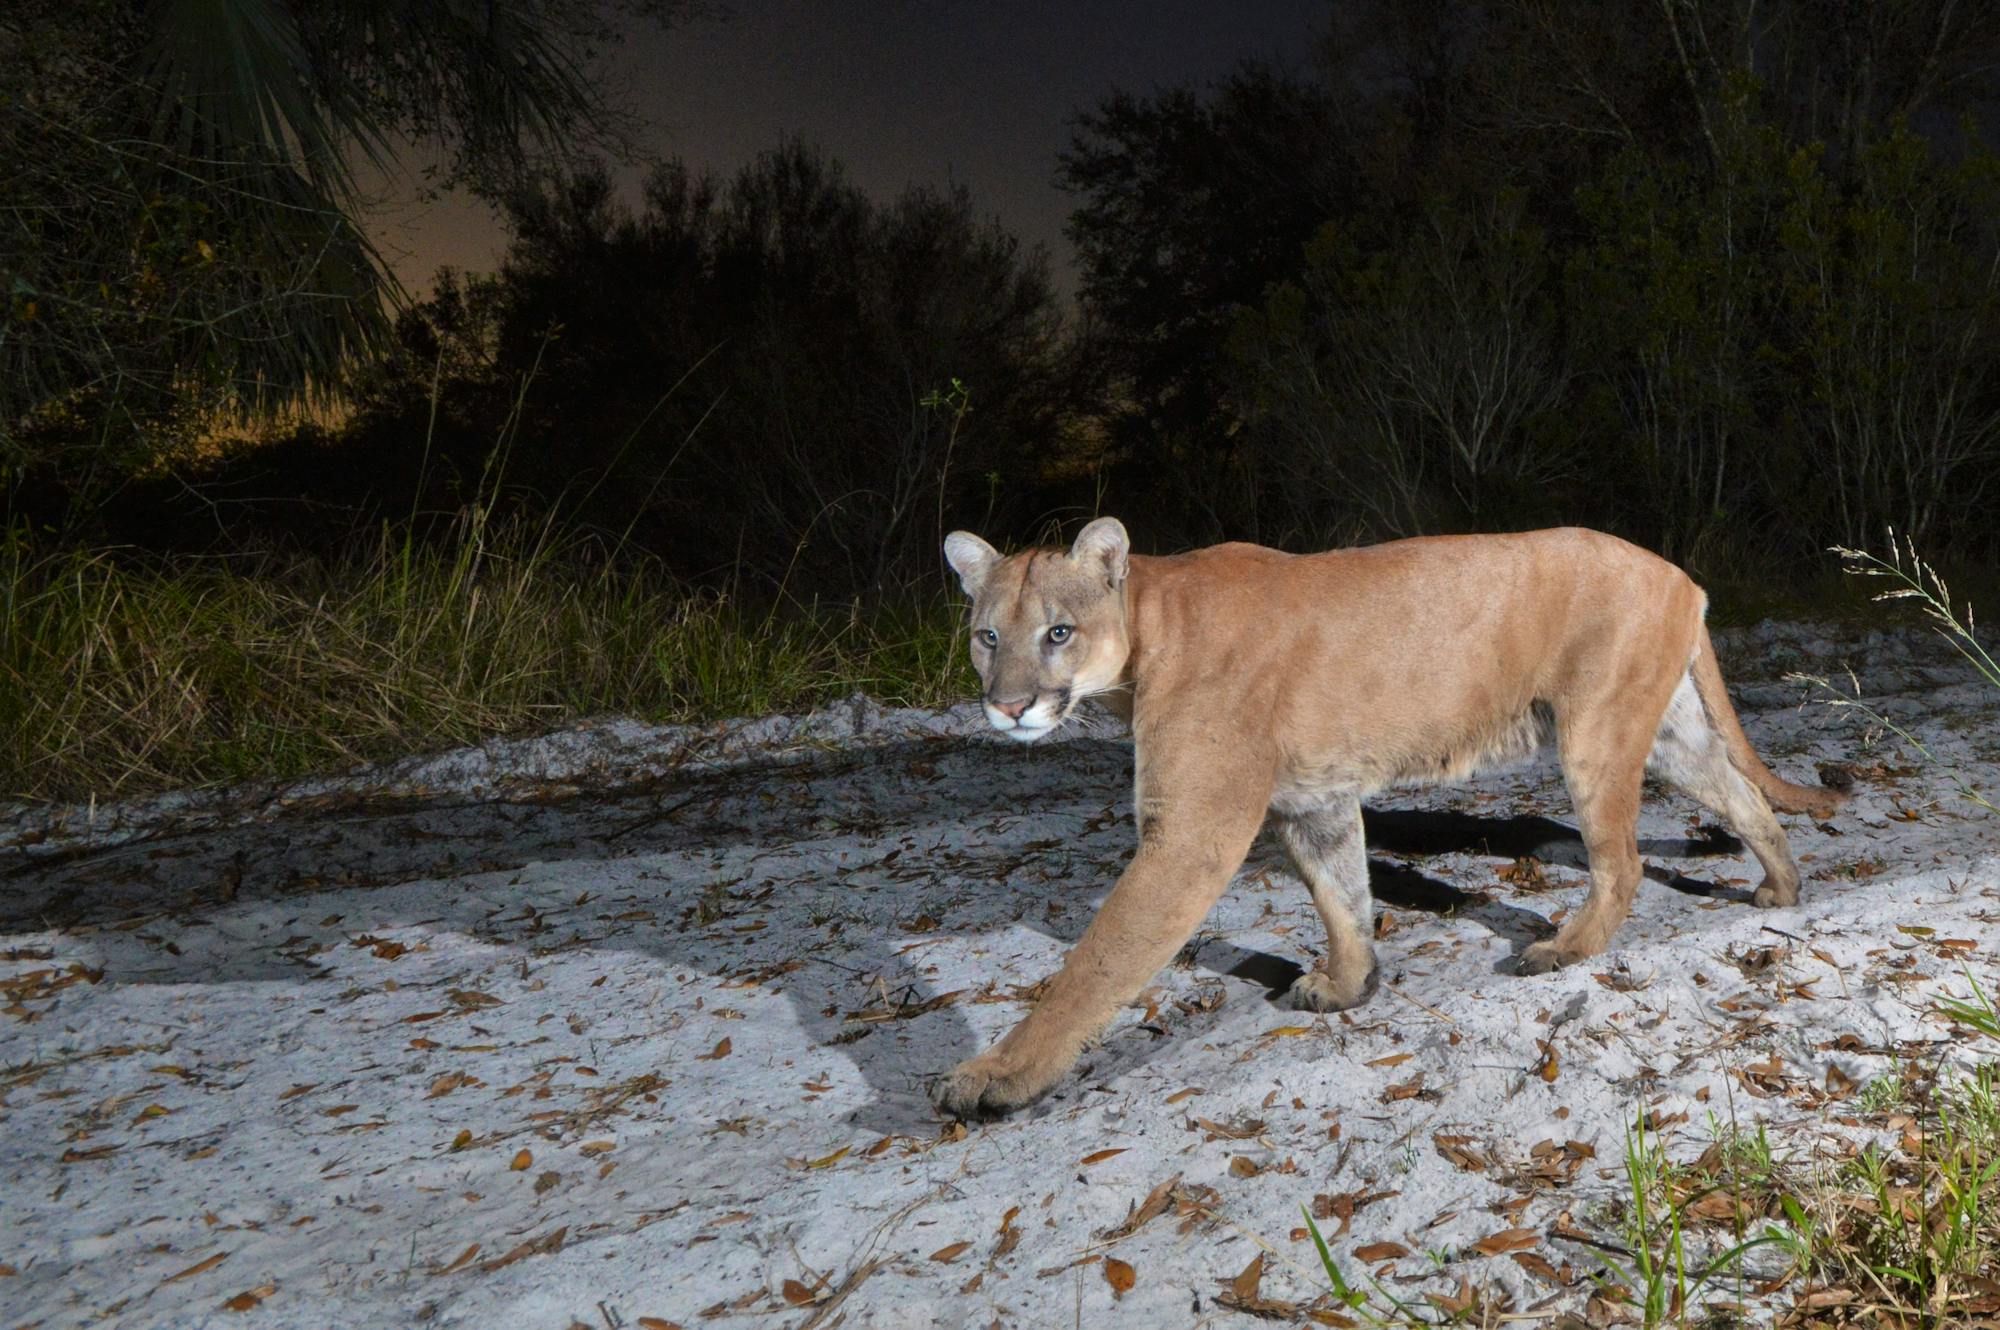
(1357, 1300)
(1660, 1278)
(1407, 1160)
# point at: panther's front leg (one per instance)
(1331, 856)
(1202, 810)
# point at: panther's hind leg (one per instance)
(1691, 755)
(1327, 849)
(1604, 739)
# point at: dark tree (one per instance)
(1190, 203)
(178, 223)
(753, 379)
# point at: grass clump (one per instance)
(1904, 1232)
(120, 677)
(1907, 1232)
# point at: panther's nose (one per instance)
(1012, 710)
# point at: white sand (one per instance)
(631, 1023)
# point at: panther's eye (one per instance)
(1060, 633)
(986, 637)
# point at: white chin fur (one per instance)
(1035, 723)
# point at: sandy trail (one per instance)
(632, 1027)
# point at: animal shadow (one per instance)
(1399, 884)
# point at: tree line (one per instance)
(1717, 275)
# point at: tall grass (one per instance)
(120, 677)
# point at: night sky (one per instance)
(901, 91)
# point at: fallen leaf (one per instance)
(1120, 1276)
(1393, 1060)
(827, 1161)
(1380, 1251)
(1458, 1306)
(1239, 1131)
(1286, 1031)
(548, 1242)
(716, 1054)
(1459, 1152)
(1539, 1267)
(198, 1267)
(1245, 1285)
(1010, 1236)
(248, 1299)
(1339, 1207)
(522, 1162)
(1151, 1208)
(1507, 1240)
(1099, 1156)
(797, 1294)
(1819, 1299)
(459, 1262)
(1717, 1205)
(946, 1255)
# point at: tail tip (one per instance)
(1836, 788)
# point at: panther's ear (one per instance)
(1104, 549)
(971, 558)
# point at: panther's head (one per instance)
(1048, 628)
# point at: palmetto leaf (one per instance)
(234, 82)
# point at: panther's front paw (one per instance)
(1771, 895)
(991, 1086)
(1316, 990)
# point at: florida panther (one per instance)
(1259, 683)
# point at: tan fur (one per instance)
(1257, 681)
(1780, 794)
